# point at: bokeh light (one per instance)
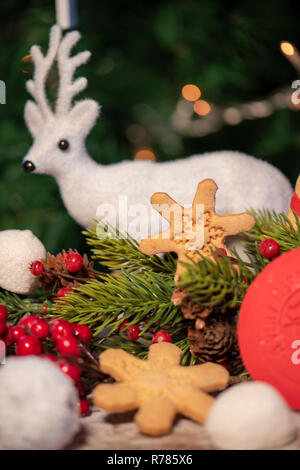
(136, 134)
(287, 48)
(145, 154)
(232, 116)
(202, 107)
(27, 60)
(191, 92)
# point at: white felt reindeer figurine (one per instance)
(59, 150)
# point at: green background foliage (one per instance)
(143, 53)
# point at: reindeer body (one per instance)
(244, 182)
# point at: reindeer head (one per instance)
(58, 134)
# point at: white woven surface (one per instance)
(103, 431)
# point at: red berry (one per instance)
(123, 325)
(73, 262)
(16, 333)
(269, 248)
(40, 328)
(28, 345)
(3, 313)
(50, 357)
(83, 332)
(72, 370)
(7, 338)
(80, 388)
(68, 345)
(37, 268)
(162, 337)
(3, 328)
(134, 332)
(84, 407)
(27, 321)
(61, 328)
(63, 292)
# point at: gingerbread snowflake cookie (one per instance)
(196, 230)
(159, 387)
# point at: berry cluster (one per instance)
(29, 338)
(134, 332)
(73, 262)
(67, 269)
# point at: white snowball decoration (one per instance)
(38, 405)
(250, 416)
(18, 249)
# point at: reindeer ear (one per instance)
(83, 116)
(33, 118)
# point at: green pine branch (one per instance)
(142, 298)
(218, 282)
(19, 306)
(99, 303)
(118, 251)
(142, 288)
(141, 348)
(224, 283)
(271, 225)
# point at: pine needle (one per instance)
(218, 282)
(19, 306)
(143, 298)
(117, 251)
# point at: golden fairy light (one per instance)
(183, 119)
(145, 154)
(202, 107)
(287, 48)
(291, 53)
(232, 116)
(191, 92)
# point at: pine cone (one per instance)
(178, 296)
(234, 361)
(56, 275)
(215, 340)
(190, 308)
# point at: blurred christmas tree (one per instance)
(143, 54)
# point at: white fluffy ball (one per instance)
(18, 249)
(250, 416)
(38, 405)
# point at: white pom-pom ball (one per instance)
(18, 249)
(38, 405)
(250, 416)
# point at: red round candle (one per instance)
(269, 327)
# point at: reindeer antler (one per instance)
(67, 66)
(42, 66)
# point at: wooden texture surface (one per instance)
(103, 431)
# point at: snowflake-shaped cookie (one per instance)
(196, 230)
(159, 387)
